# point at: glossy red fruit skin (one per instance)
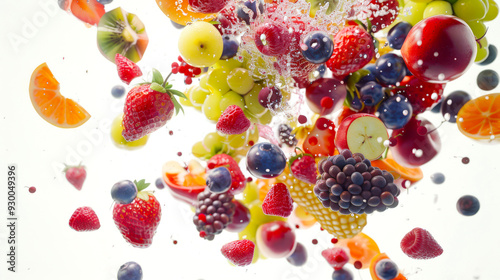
(276, 38)
(410, 140)
(277, 239)
(420, 93)
(341, 138)
(380, 12)
(325, 87)
(207, 6)
(241, 217)
(239, 181)
(439, 49)
(320, 141)
(88, 11)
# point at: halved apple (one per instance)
(362, 133)
(185, 185)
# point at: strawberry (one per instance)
(278, 201)
(381, 13)
(270, 38)
(239, 252)
(422, 95)
(137, 221)
(419, 244)
(336, 257)
(127, 69)
(148, 107)
(76, 175)
(207, 6)
(233, 121)
(89, 11)
(303, 167)
(238, 180)
(353, 49)
(84, 219)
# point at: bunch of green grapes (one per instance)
(474, 12)
(227, 83)
(236, 146)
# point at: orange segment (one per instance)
(374, 261)
(361, 248)
(50, 104)
(397, 170)
(180, 12)
(479, 119)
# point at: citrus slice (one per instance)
(50, 104)
(373, 263)
(361, 248)
(406, 173)
(479, 119)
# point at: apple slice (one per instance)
(362, 133)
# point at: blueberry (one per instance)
(244, 14)
(299, 256)
(452, 103)
(397, 35)
(118, 91)
(130, 271)
(492, 55)
(159, 183)
(266, 160)
(317, 47)
(356, 103)
(370, 77)
(124, 192)
(487, 80)
(386, 269)
(390, 69)
(437, 178)
(342, 274)
(230, 47)
(321, 70)
(371, 93)
(468, 205)
(219, 180)
(437, 108)
(105, 2)
(395, 112)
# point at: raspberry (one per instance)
(419, 244)
(213, 213)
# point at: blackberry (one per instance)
(350, 185)
(285, 135)
(214, 211)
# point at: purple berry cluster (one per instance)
(351, 185)
(214, 211)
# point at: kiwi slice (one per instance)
(123, 33)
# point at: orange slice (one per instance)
(373, 263)
(397, 170)
(50, 104)
(361, 248)
(479, 119)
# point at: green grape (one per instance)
(198, 96)
(413, 12)
(259, 67)
(199, 151)
(213, 139)
(422, 1)
(438, 8)
(451, 1)
(237, 141)
(186, 101)
(228, 64)
(482, 52)
(266, 118)
(231, 98)
(250, 193)
(252, 101)
(203, 81)
(478, 28)
(211, 106)
(250, 116)
(492, 11)
(217, 80)
(240, 80)
(469, 10)
(253, 135)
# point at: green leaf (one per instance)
(214, 22)
(177, 106)
(157, 77)
(178, 93)
(168, 86)
(157, 87)
(141, 185)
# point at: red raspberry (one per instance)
(419, 244)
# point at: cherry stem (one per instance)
(443, 121)
(478, 40)
(166, 79)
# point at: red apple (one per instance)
(362, 133)
(413, 149)
(276, 239)
(422, 95)
(241, 218)
(439, 49)
(325, 95)
(319, 142)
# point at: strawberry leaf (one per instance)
(178, 93)
(157, 77)
(157, 87)
(177, 106)
(141, 185)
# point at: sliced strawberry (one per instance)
(127, 69)
(239, 180)
(278, 201)
(88, 11)
(84, 219)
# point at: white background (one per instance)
(49, 249)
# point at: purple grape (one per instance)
(386, 269)
(270, 97)
(342, 274)
(230, 47)
(487, 80)
(395, 112)
(219, 180)
(390, 69)
(371, 93)
(159, 183)
(452, 104)
(318, 47)
(130, 271)
(468, 205)
(397, 35)
(266, 160)
(299, 255)
(124, 192)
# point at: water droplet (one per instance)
(441, 77)
(420, 62)
(436, 54)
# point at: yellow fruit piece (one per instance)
(341, 226)
(119, 141)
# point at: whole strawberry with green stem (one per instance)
(303, 167)
(138, 220)
(148, 107)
